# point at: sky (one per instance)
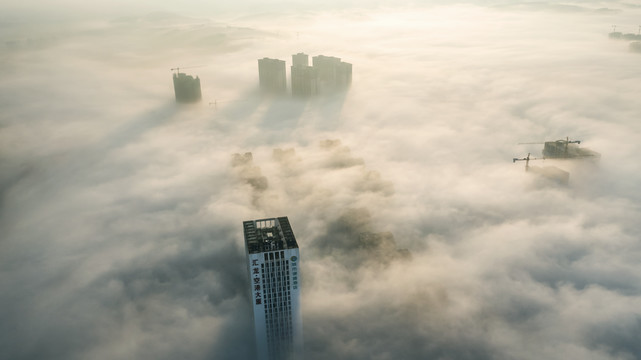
(121, 211)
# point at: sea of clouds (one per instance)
(121, 211)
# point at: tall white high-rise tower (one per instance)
(274, 278)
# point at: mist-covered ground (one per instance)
(121, 212)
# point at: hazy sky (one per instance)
(121, 212)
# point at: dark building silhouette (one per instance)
(615, 35)
(631, 36)
(333, 74)
(187, 88)
(304, 77)
(622, 36)
(271, 75)
(566, 149)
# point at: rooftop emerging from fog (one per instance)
(269, 235)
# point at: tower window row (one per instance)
(275, 255)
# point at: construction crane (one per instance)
(567, 140)
(552, 173)
(527, 160)
(177, 69)
(555, 149)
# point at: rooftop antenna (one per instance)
(614, 28)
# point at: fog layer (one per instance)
(121, 212)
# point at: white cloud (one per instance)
(120, 212)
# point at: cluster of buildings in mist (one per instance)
(566, 149)
(271, 250)
(270, 245)
(635, 44)
(273, 260)
(563, 149)
(326, 75)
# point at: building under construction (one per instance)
(187, 88)
(566, 149)
(551, 173)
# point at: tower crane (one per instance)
(527, 160)
(177, 69)
(559, 147)
(567, 141)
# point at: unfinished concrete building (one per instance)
(566, 149)
(186, 88)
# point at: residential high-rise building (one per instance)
(274, 276)
(304, 77)
(271, 75)
(300, 59)
(343, 75)
(333, 73)
(186, 88)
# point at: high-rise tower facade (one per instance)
(271, 76)
(274, 276)
(333, 73)
(304, 77)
